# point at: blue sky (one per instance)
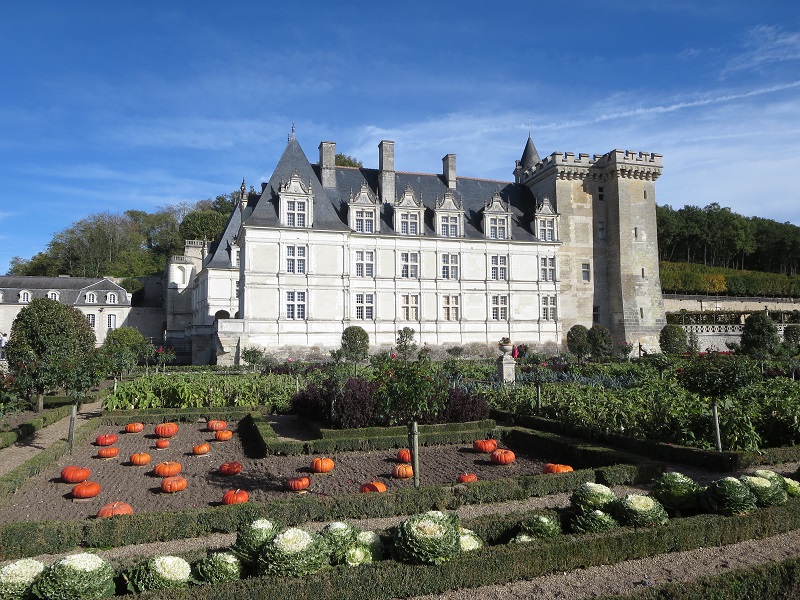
(109, 106)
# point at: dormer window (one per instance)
(296, 201)
(449, 215)
(24, 296)
(52, 295)
(111, 298)
(91, 298)
(364, 211)
(408, 214)
(497, 218)
(546, 221)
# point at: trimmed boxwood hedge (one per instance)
(25, 430)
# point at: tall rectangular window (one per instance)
(235, 257)
(296, 305)
(497, 228)
(365, 221)
(601, 230)
(595, 314)
(236, 290)
(450, 308)
(409, 265)
(449, 266)
(365, 306)
(500, 308)
(90, 318)
(549, 308)
(601, 193)
(547, 230)
(409, 307)
(586, 274)
(499, 267)
(448, 226)
(547, 272)
(295, 259)
(112, 321)
(409, 223)
(296, 213)
(365, 263)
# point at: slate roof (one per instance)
(330, 205)
(71, 290)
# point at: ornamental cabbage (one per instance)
(728, 496)
(542, 526)
(677, 492)
(339, 537)
(79, 576)
(429, 538)
(16, 578)
(295, 552)
(218, 567)
(357, 555)
(468, 540)
(250, 539)
(592, 496)
(159, 573)
(637, 510)
(768, 492)
(791, 486)
(595, 521)
(373, 542)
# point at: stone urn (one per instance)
(505, 348)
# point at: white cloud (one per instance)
(763, 45)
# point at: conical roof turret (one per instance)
(529, 156)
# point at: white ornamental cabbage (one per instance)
(81, 576)
(592, 496)
(468, 540)
(159, 573)
(251, 538)
(339, 537)
(791, 486)
(638, 510)
(428, 538)
(357, 555)
(768, 492)
(373, 541)
(294, 552)
(219, 567)
(16, 578)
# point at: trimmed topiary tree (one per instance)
(600, 340)
(760, 336)
(578, 341)
(672, 339)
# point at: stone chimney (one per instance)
(327, 164)
(386, 167)
(449, 170)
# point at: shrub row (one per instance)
(186, 415)
(266, 442)
(502, 564)
(24, 430)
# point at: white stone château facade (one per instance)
(458, 259)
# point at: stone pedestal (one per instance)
(506, 368)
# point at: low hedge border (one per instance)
(184, 415)
(708, 459)
(502, 564)
(371, 438)
(25, 430)
(320, 432)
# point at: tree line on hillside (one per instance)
(716, 236)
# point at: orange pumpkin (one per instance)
(115, 508)
(86, 489)
(322, 465)
(235, 497)
(230, 468)
(216, 425)
(201, 449)
(166, 430)
(223, 435)
(467, 478)
(73, 474)
(108, 452)
(297, 484)
(106, 439)
(140, 459)
(486, 446)
(167, 469)
(502, 456)
(162, 443)
(373, 486)
(404, 455)
(556, 468)
(173, 484)
(403, 471)
(134, 428)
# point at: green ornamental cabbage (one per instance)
(218, 567)
(250, 539)
(468, 540)
(159, 573)
(373, 542)
(16, 578)
(595, 521)
(429, 538)
(77, 577)
(677, 492)
(770, 475)
(728, 496)
(295, 552)
(542, 526)
(592, 496)
(791, 486)
(357, 555)
(637, 510)
(339, 537)
(768, 492)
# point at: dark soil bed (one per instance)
(46, 497)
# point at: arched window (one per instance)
(111, 298)
(52, 295)
(25, 296)
(91, 298)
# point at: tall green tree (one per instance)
(203, 225)
(760, 336)
(124, 348)
(51, 346)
